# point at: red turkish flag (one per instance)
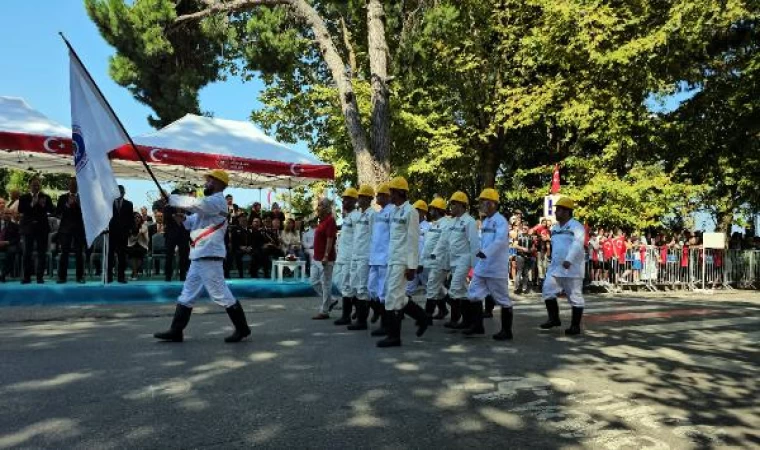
(555, 180)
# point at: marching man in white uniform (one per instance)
(345, 250)
(463, 244)
(360, 258)
(435, 267)
(566, 270)
(403, 260)
(378, 257)
(422, 274)
(207, 225)
(491, 273)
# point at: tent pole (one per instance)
(104, 260)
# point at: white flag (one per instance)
(96, 132)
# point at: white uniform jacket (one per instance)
(405, 233)
(207, 224)
(567, 245)
(346, 239)
(441, 249)
(494, 243)
(363, 235)
(432, 238)
(463, 241)
(424, 227)
(381, 229)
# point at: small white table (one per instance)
(280, 264)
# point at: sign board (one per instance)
(714, 240)
(549, 202)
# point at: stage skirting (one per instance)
(16, 294)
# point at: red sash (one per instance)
(207, 232)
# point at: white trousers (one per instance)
(573, 288)
(435, 288)
(498, 288)
(321, 281)
(458, 287)
(376, 282)
(209, 274)
(360, 279)
(420, 280)
(342, 279)
(395, 287)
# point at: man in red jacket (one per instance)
(324, 257)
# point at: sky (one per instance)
(36, 68)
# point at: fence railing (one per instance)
(670, 268)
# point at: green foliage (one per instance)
(52, 183)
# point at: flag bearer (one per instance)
(491, 273)
(207, 225)
(403, 260)
(463, 243)
(567, 267)
(378, 256)
(360, 257)
(345, 250)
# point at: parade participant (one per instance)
(491, 273)
(324, 257)
(566, 270)
(208, 226)
(463, 243)
(422, 274)
(345, 252)
(436, 272)
(378, 256)
(360, 257)
(403, 260)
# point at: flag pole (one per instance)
(113, 113)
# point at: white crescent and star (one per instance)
(154, 155)
(49, 143)
(295, 169)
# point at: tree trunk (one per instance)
(381, 118)
(724, 220)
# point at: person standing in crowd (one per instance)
(378, 257)
(119, 229)
(491, 274)
(14, 196)
(421, 278)
(523, 259)
(403, 261)
(137, 244)
(360, 257)
(543, 254)
(10, 242)
(35, 207)
(345, 252)
(608, 254)
(259, 259)
(144, 214)
(307, 242)
(255, 213)
(177, 239)
(324, 257)
(272, 247)
(71, 234)
(567, 268)
(434, 259)
(230, 206)
(463, 244)
(207, 226)
(240, 245)
(278, 215)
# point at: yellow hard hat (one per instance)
(460, 197)
(399, 183)
(383, 189)
(420, 204)
(565, 202)
(366, 190)
(489, 194)
(350, 192)
(439, 203)
(219, 174)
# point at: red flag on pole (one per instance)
(555, 180)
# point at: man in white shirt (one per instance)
(307, 241)
(567, 267)
(378, 256)
(345, 251)
(208, 226)
(463, 243)
(422, 274)
(403, 260)
(363, 223)
(434, 259)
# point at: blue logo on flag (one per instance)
(80, 155)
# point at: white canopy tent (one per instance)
(179, 151)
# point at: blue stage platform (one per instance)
(16, 294)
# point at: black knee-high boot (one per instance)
(393, 324)
(476, 321)
(237, 316)
(467, 314)
(575, 324)
(506, 325)
(362, 312)
(443, 311)
(377, 311)
(489, 306)
(552, 309)
(456, 313)
(383, 329)
(416, 312)
(429, 307)
(179, 322)
(345, 316)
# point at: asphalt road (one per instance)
(649, 372)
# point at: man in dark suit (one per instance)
(10, 242)
(121, 225)
(34, 208)
(177, 237)
(70, 232)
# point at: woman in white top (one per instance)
(291, 240)
(137, 244)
